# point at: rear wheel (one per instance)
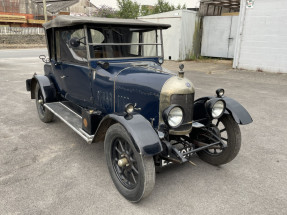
(132, 174)
(44, 114)
(229, 131)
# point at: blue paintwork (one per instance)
(133, 83)
(47, 88)
(136, 81)
(142, 134)
(77, 84)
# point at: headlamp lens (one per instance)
(175, 117)
(217, 109)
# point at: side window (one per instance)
(70, 53)
(134, 49)
(96, 36)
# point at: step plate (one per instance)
(71, 118)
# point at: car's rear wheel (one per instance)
(229, 131)
(132, 174)
(44, 114)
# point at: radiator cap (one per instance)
(181, 72)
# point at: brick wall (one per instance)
(18, 41)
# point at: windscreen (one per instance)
(124, 42)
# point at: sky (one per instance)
(113, 3)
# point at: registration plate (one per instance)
(182, 151)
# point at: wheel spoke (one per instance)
(224, 138)
(222, 130)
(132, 159)
(135, 170)
(217, 123)
(121, 145)
(116, 148)
(133, 176)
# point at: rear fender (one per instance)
(143, 136)
(47, 88)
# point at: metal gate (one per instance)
(219, 35)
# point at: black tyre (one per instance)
(229, 131)
(132, 174)
(44, 114)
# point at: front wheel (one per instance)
(132, 174)
(229, 132)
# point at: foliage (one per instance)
(106, 11)
(128, 9)
(146, 10)
(163, 6)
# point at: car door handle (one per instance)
(63, 76)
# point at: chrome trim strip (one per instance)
(115, 77)
(123, 44)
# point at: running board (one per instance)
(71, 118)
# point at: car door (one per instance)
(75, 72)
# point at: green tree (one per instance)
(128, 9)
(163, 6)
(146, 10)
(106, 11)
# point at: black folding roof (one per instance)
(63, 21)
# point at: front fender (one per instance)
(235, 109)
(47, 88)
(238, 112)
(144, 137)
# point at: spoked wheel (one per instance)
(124, 163)
(229, 132)
(132, 174)
(44, 114)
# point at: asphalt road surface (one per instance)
(49, 169)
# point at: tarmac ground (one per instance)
(49, 169)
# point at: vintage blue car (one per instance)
(104, 79)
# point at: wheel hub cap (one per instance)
(123, 162)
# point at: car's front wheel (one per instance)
(229, 132)
(132, 174)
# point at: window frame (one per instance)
(57, 42)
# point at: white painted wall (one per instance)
(178, 39)
(262, 37)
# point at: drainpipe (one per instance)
(239, 34)
(45, 10)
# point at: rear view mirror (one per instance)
(75, 42)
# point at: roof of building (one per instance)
(54, 6)
(63, 21)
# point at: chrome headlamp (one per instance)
(220, 92)
(129, 108)
(173, 116)
(215, 107)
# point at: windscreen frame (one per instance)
(158, 44)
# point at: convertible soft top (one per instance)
(63, 21)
